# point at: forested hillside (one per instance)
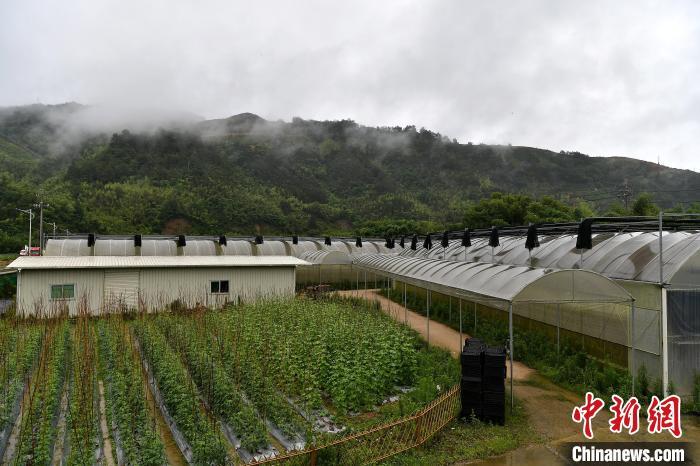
(246, 175)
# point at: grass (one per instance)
(471, 440)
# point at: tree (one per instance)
(644, 206)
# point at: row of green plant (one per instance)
(335, 350)
(213, 381)
(83, 408)
(125, 396)
(180, 395)
(38, 429)
(19, 349)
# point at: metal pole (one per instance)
(405, 307)
(664, 310)
(30, 231)
(632, 356)
(661, 249)
(427, 320)
(510, 333)
(365, 279)
(558, 324)
(449, 315)
(664, 340)
(41, 228)
(461, 337)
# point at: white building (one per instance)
(98, 284)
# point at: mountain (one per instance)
(248, 175)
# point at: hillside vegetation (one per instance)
(246, 175)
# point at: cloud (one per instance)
(604, 78)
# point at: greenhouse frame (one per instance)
(662, 275)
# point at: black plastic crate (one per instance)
(493, 398)
(471, 385)
(474, 343)
(493, 386)
(494, 372)
(494, 357)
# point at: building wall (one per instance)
(161, 287)
(34, 291)
(158, 288)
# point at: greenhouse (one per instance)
(666, 287)
(521, 291)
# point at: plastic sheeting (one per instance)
(67, 247)
(622, 256)
(237, 248)
(496, 283)
(683, 338)
(271, 248)
(158, 247)
(115, 247)
(199, 247)
(327, 257)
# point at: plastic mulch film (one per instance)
(683, 338)
(12, 419)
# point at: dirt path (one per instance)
(106, 439)
(548, 406)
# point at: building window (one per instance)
(62, 292)
(219, 287)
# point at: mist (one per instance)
(602, 78)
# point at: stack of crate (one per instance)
(493, 386)
(472, 363)
(483, 381)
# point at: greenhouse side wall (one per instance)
(684, 339)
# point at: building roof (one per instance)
(117, 262)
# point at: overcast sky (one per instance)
(600, 77)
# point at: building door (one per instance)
(121, 291)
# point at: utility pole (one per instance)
(31, 215)
(625, 194)
(41, 206)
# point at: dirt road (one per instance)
(548, 406)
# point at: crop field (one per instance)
(207, 387)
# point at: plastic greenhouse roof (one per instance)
(621, 256)
(327, 257)
(488, 282)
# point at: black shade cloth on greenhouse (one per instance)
(532, 241)
(584, 240)
(493, 238)
(428, 243)
(466, 238)
(414, 242)
(222, 240)
(137, 241)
